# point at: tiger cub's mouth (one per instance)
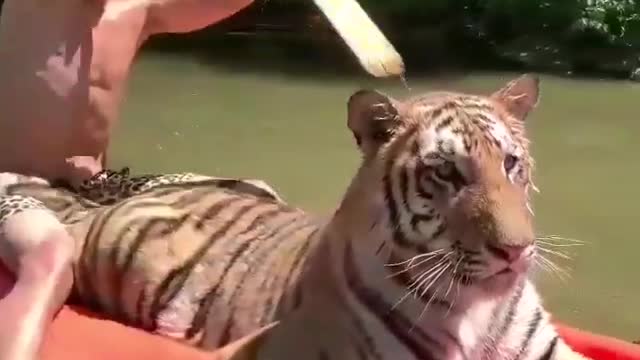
(508, 271)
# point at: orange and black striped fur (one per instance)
(426, 257)
(183, 258)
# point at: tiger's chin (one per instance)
(503, 281)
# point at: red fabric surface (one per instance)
(78, 335)
(598, 347)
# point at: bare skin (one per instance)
(42, 286)
(64, 72)
(74, 57)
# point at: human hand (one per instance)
(81, 168)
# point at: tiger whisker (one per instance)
(451, 281)
(544, 242)
(455, 269)
(550, 270)
(538, 262)
(559, 238)
(430, 301)
(412, 266)
(534, 187)
(425, 287)
(543, 266)
(547, 261)
(412, 289)
(433, 295)
(562, 274)
(554, 252)
(414, 258)
(559, 243)
(426, 273)
(455, 297)
(530, 208)
(419, 279)
(424, 258)
(424, 309)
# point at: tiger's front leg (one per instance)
(35, 246)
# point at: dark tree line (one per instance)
(590, 36)
(557, 35)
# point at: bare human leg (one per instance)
(38, 250)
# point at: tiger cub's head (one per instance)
(451, 173)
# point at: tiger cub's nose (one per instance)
(509, 253)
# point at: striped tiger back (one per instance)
(186, 260)
(181, 254)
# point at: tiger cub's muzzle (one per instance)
(494, 220)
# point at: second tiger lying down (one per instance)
(426, 257)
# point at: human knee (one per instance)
(22, 231)
(50, 258)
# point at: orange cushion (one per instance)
(598, 347)
(76, 334)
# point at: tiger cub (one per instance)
(426, 257)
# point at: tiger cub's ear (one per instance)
(372, 117)
(519, 96)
